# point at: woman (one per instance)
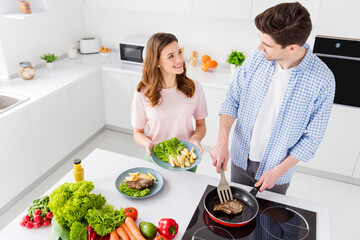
(167, 100)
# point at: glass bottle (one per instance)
(24, 6)
(78, 171)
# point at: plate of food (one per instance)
(139, 182)
(176, 155)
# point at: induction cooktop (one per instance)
(273, 221)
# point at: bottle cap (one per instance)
(77, 161)
(25, 64)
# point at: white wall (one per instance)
(28, 39)
(210, 35)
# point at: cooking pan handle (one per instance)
(255, 190)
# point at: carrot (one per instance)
(127, 231)
(129, 222)
(114, 236)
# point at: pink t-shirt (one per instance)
(172, 117)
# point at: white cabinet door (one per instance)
(87, 104)
(339, 149)
(119, 89)
(214, 98)
(19, 166)
(357, 167)
(52, 126)
(224, 9)
(166, 6)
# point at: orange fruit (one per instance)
(211, 64)
(205, 58)
(204, 67)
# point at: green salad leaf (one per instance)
(169, 150)
(70, 202)
(105, 219)
(78, 231)
(133, 192)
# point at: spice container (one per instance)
(26, 71)
(24, 6)
(78, 171)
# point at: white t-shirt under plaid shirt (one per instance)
(302, 118)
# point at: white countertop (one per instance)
(177, 199)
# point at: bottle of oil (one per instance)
(78, 171)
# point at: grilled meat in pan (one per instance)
(229, 207)
(140, 183)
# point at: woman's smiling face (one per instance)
(171, 59)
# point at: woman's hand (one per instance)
(198, 144)
(149, 146)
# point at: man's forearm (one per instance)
(288, 163)
(226, 121)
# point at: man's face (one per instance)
(272, 50)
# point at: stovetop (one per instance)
(273, 221)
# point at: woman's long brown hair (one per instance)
(152, 81)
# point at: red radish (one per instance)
(37, 225)
(46, 222)
(22, 223)
(49, 215)
(26, 218)
(37, 218)
(29, 225)
(37, 212)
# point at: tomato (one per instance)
(160, 237)
(131, 212)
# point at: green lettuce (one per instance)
(169, 150)
(133, 192)
(70, 202)
(105, 219)
(78, 231)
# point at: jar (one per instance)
(26, 71)
(24, 6)
(78, 171)
(72, 51)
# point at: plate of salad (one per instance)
(176, 155)
(139, 182)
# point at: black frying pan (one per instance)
(247, 199)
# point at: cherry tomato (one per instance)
(160, 237)
(131, 212)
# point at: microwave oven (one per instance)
(132, 49)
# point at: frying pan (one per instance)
(247, 199)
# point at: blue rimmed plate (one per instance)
(167, 165)
(154, 189)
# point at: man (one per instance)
(281, 97)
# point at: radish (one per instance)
(37, 218)
(29, 225)
(37, 225)
(37, 212)
(49, 215)
(22, 223)
(46, 222)
(26, 218)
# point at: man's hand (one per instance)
(149, 146)
(268, 179)
(220, 155)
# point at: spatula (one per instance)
(223, 189)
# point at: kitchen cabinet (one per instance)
(52, 128)
(119, 91)
(356, 173)
(87, 105)
(224, 9)
(312, 6)
(340, 147)
(19, 166)
(166, 6)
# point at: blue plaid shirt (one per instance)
(302, 119)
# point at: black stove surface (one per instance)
(273, 221)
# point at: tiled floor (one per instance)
(343, 199)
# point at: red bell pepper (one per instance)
(168, 228)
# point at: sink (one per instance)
(10, 100)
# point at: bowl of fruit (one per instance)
(208, 63)
(103, 51)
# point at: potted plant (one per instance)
(49, 58)
(235, 59)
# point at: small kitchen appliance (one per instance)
(89, 45)
(132, 49)
(273, 221)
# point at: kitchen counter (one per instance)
(177, 199)
(46, 82)
(218, 78)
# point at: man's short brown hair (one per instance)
(286, 23)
